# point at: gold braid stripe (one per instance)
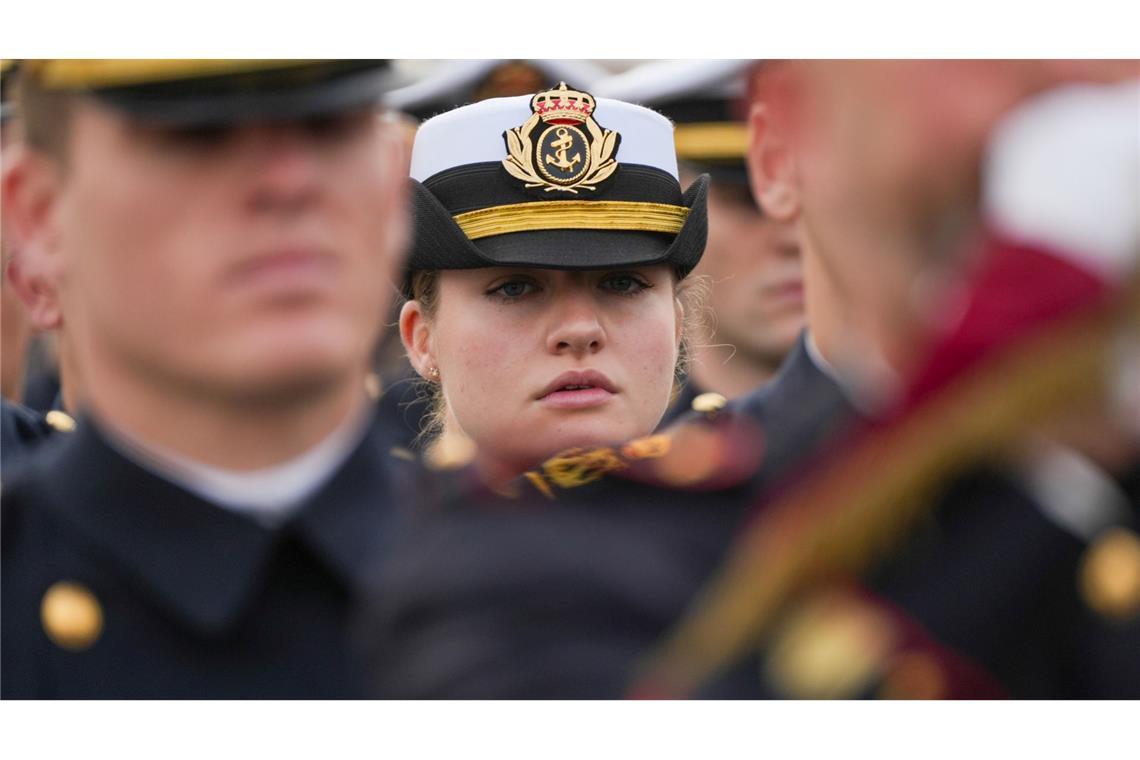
(710, 140)
(572, 215)
(95, 73)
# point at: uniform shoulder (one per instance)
(33, 480)
(23, 490)
(21, 424)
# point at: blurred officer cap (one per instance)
(461, 82)
(203, 92)
(8, 70)
(708, 102)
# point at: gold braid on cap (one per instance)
(573, 215)
(711, 140)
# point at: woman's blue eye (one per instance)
(623, 283)
(514, 289)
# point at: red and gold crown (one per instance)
(563, 105)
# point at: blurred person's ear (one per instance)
(31, 184)
(771, 167)
(35, 288)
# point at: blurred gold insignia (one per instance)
(649, 447)
(1110, 574)
(577, 467)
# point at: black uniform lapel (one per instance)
(799, 410)
(343, 522)
(196, 560)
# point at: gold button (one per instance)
(832, 648)
(1110, 574)
(372, 386)
(709, 403)
(71, 616)
(60, 421)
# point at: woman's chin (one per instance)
(586, 434)
(534, 443)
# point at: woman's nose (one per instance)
(576, 328)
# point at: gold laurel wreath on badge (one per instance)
(561, 107)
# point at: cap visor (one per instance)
(191, 107)
(577, 249)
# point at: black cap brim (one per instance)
(284, 94)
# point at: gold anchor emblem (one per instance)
(569, 152)
(564, 143)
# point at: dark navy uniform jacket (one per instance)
(117, 583)
(559, 591)
(982, 600)
(563, 594)
(401, 410)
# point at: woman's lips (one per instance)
(578, 389)
(583, 398)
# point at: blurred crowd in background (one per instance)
(571, 379)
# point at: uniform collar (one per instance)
(871, 391)
(269, 495)
(343, 524)
(800, 380)
(198, 561)
(799, 409)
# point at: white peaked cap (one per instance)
(474, 134)
(456, 76)
(1063, 170)
(653, 83)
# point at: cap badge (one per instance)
(560, 154)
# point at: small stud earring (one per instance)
(433, 373)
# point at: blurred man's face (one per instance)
(757, 284)
(888, 155)
(243, 261)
